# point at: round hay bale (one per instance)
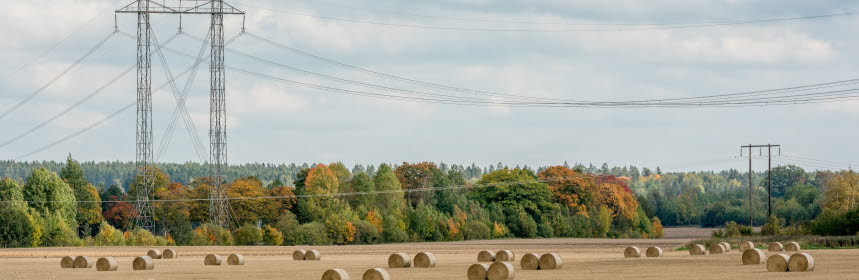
(236, 259)
(154, 254)
(775, 247)
(143, 263)
(298, 255)
(500, 271)
(800, 262)
(717, 249)
(424, 260)
(312, 255)
(530, 262)
(697, 250)
(478, 271)
(727, 246)
(335, 274)
(632, 252)
(777, 263)
(399, 260)
(754, 256)
(106, 264)
(550, 261)
(746, 245)
(67, 262)
(654, 252)
(169, 254)
(213, 259)
(486, 256)
(376, 274)
(83, 262)
(505, 256)
(792, 246)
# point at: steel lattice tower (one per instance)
(219, 205)
(143, 206)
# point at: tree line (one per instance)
(326, 204)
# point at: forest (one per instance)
(77, 204)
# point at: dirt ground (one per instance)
(583, 259)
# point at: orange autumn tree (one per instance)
(415, 176)
(617, 197)
(249, 211)
(569, 187)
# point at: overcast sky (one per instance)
(280, 123)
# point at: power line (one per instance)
(620, 29)
(538, 99)
(57, 78)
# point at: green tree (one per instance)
(16, 227)
(247, 235)
(514, 188)
(12, 194)
(392, 203)
(51, 196)
(109, 236)
(362, 183)
(783, 177)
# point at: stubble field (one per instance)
(583, 259)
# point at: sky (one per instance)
(281, 123)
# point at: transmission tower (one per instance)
(219, 203)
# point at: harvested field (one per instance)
(587, 258)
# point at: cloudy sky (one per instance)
(281, 123)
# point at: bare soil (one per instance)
(583, 259)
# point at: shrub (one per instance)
(247, 235)
(271, 236)
(288, 225)
(476, 230)
(499, 230)
(141, 237)
(521, 223)
(164, 241)
(545, 230)
(211, 234)
(772, 227)
(314, 233)
(59, 233)
(366, 233)
(16, 227)
(109, 236)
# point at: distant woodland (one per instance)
(75, 204)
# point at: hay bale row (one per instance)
(312, 255)
(67, 262)
(106, 264)
(376, 274)
(399, 260)
(425, 260)
(550, 261)
(792, 247)
(486, 256)
(298, 255)
(800, 262)
(169, 254)
(717, 249)
(154, 254)
(654, 252)
(697, 250)
(632, 252)
(143, 263)
(478, 271)
(777, 263)
(754, 256)
(775, 247)
(213, 259)
(500, 271)
(505, 256)
(335, 274)
(727, 246)
(83, 262)
(746, 245)
(236, 259)
(530, 262)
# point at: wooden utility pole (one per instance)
(769, 178)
